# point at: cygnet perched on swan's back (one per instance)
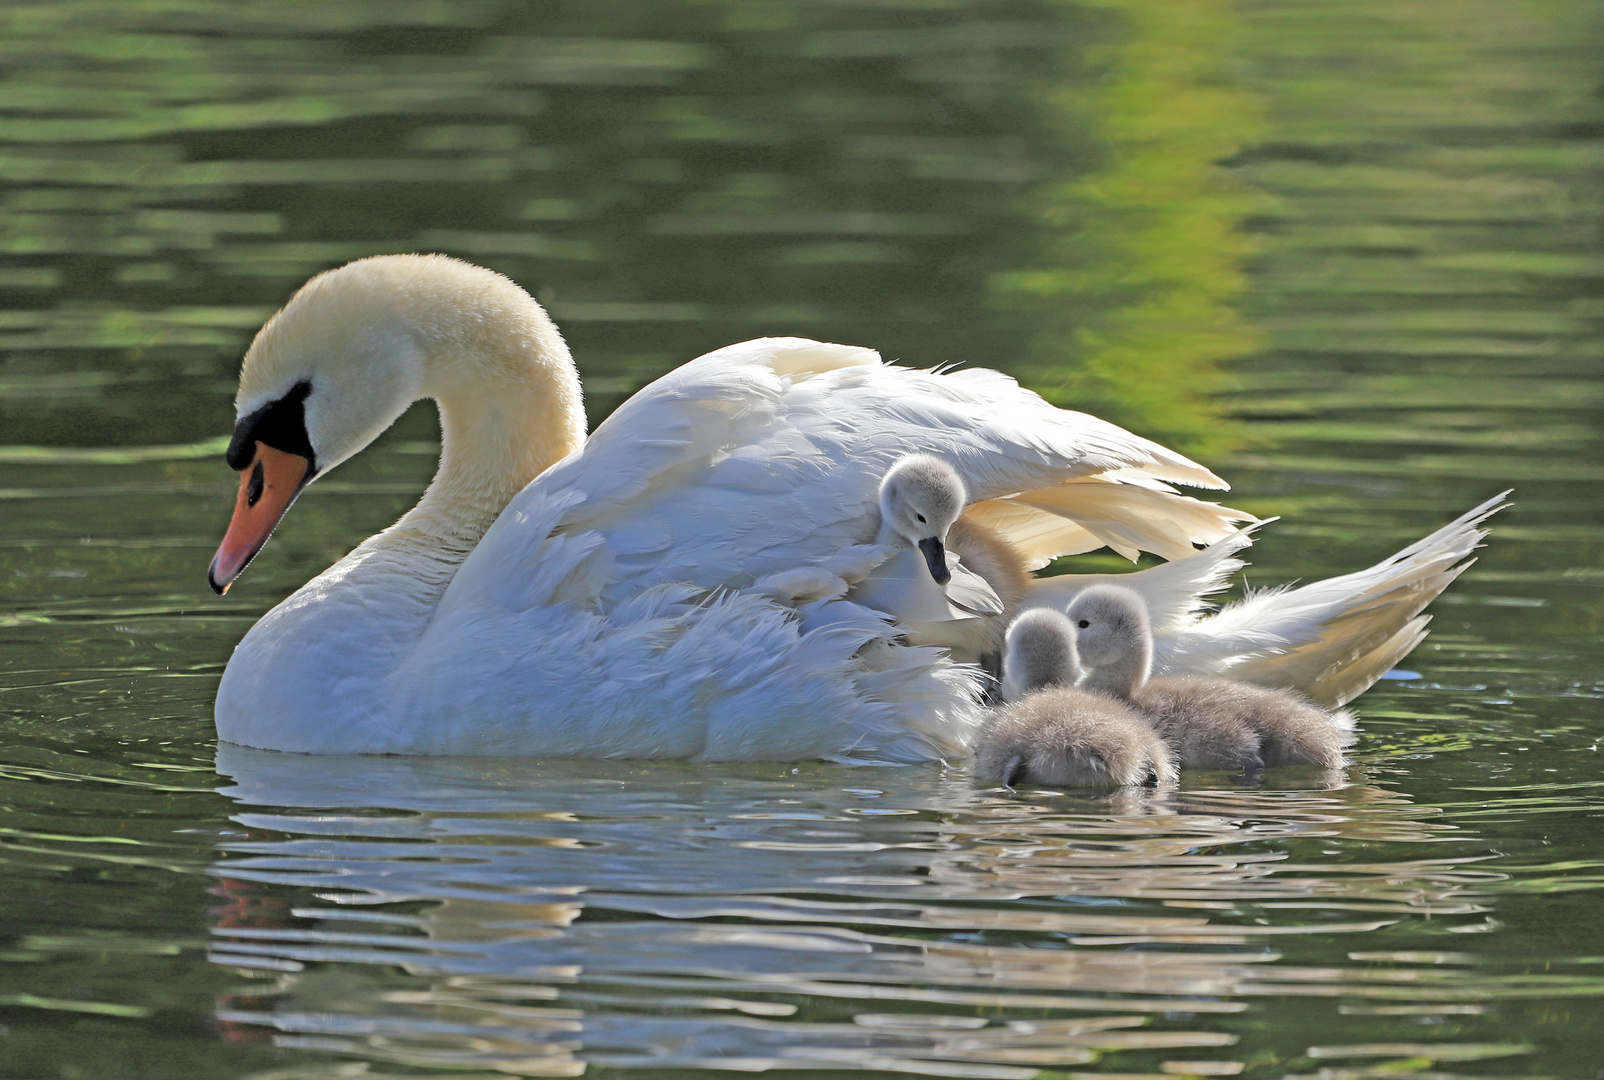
(1050, 732)
(920, 497)
(1212, 723)
(919, 493)
(929, 593)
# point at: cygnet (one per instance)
(926, 589)
(1212, 723)
(1050, 732)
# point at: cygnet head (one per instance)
(353, 348)
(920, 498)
(1040, 652)
(1111, 628)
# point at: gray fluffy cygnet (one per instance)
(1051, 733)
(1212, 723)
(920, 497)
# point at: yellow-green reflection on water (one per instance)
(1375, 225)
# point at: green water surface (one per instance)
(1346, 250)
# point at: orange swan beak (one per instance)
(267, 487)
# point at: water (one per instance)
(1395, 279)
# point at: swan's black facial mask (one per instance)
(280, 424)
(273, 455)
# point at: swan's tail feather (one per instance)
(1338, 636)
(1342, 684)
(1176, 592)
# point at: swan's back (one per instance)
(768, 455)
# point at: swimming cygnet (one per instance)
(926, 589)
(1050, 732)
(1212, 723)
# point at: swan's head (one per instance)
(346, 356)
(920, 498)
(1040, 652)
(1110, 624)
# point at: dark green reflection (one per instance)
(667, 177)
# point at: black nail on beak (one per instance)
(936, 558)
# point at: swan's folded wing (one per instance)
(1091, 512)
(969, 591)
(903, 588)
(767, 455)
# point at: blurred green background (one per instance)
(1136, 205)
(1347, 251)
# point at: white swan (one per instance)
(608, 607)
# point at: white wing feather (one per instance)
(1330, 639)
(1342, 634)
(765, 456)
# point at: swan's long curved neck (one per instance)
(510, 407)
(493, 440)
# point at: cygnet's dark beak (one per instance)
(936, 557)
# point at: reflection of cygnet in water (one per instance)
(1050, 732)
(1212, 723)
(929, 592)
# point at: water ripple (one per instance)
(534, 919)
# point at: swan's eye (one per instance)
(1084, 623)
(921, 518)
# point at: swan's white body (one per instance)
(902, 586)
(615, 606)
(636, 595)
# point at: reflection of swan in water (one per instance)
(537, 918)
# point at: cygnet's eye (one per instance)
(921, 518)
(1084, 623)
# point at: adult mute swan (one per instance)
(560, 597)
